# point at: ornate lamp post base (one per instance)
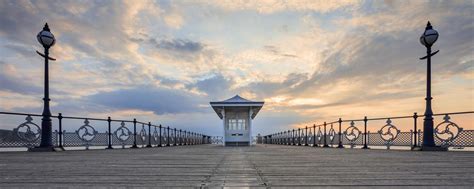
(433, 148)
(46, 149)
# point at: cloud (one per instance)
(9, 81)
(179, 45)
(174, 20)
(215, 87)
(272, 6)
(149, 98)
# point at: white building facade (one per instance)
(237, 114)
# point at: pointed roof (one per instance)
(237, 101)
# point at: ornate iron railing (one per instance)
(356, 132)
(86, 132)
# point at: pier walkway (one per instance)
(212, 166)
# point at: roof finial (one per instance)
(428, 26)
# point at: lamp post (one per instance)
(428, 38)
(47, 40)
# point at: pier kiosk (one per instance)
(237, 114)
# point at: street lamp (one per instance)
(428, 38)
(46, 38)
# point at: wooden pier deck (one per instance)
(211, 166)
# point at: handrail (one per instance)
(89, 118)
(392, 118)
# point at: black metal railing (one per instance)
(94, 132)
(368, 132)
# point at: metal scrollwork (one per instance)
(28, 132)
(447, 131)
(122, 134)
(352, 133)
(142, 135)
(171, 138)
(165, 136)
(156, 136)
(389, 133)
(86, 133)
(319, 136)
(332, 135)
(310, 137)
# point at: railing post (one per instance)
(278, 138)
(365, 133)
(168, 136)
(282, 137)
(306, 136)
(299, 137)
(290, 138)
(180, 138)
(110, 134)
(134, 133)
(149, 135)
(415, 130)
(159, 143)
(293, 141)
(340, 134)
(175, 138)
(274, 138)
(325, 139)
(314, 136)
(60, 119)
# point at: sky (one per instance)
(310, 60)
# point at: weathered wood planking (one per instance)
(266, 166)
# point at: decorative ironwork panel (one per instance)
(465, 139)
(310, 137)
(388, 133)
(352, 135)
(155, 137)
(122, 136)
(27, 134)
(142, 136)
(86, 133)
(319, 136)
(447, 131)
(331, 136)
